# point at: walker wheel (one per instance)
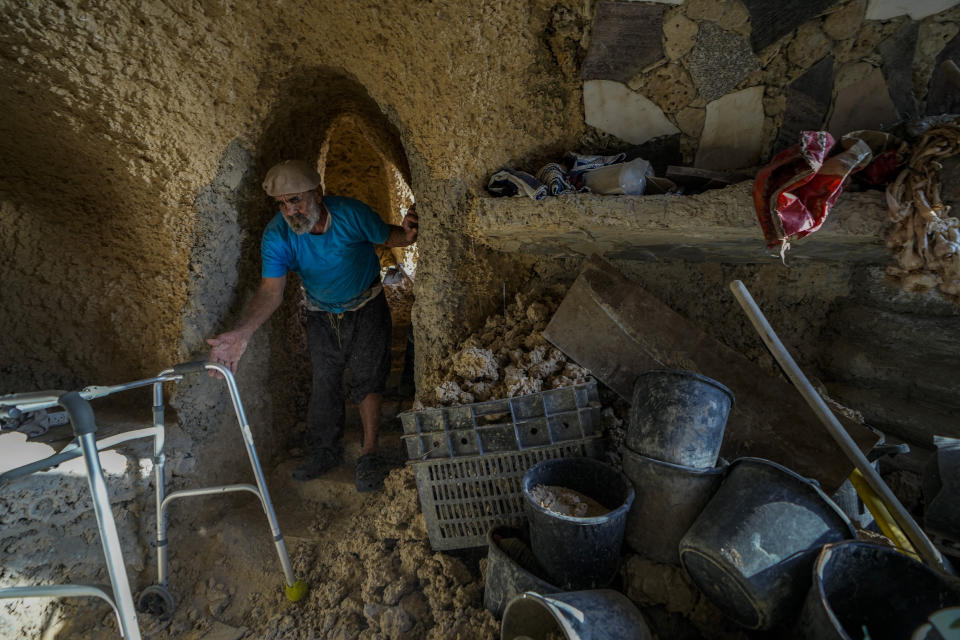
(156, 601)
(297, 590)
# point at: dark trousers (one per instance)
(356, 340)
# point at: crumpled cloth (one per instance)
(794, 193)
(510, 182)
(553, 179)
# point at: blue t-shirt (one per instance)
(336, 266)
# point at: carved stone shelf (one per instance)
(715, 226)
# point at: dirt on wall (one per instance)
(118, 120)
(117, 117)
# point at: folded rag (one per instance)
(510, 182)
(554, 176)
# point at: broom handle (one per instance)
(927, 551)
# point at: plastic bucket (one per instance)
(509, 572)
(578, 553)
(579, 615)
(862, 588)
(669, 499)
(678, 417)
(753, 546)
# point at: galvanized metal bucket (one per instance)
(862, 589)
(669, 499)
(601, 614)
(678, 417)
(752, 548)
(507, 575)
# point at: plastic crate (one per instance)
(462, 498)
(512, 424)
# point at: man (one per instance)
(329, 241)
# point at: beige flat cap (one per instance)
(291, 176)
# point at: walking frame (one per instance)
(154, 599)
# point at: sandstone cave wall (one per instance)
(133, 143)
(135, 138)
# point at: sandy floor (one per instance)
(366, 558)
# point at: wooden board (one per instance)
(616, 329)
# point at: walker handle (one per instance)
(9, 412)
(80, 412)
(196, 366)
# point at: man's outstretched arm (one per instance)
(230, 345)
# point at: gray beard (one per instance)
(301, 223)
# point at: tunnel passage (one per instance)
(331, 120)
(352, 165)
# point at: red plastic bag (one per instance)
(794, 193)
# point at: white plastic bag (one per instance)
(623, 178)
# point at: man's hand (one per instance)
(230, 345)
(410, 224)
(406, 234)
(227, 349)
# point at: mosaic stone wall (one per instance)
(736, 80)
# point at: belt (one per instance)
(356, 303)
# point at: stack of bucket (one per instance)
(747, 533)
(551, 582)
(676, 427)
(558, 552)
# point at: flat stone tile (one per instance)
(846, 21)
(943, 96)
(864, 104)
(719, 61)
(808, 102)
(626, 38)
(897, 52)
(772, 19)
(916, 9)
(612, 107)
(732, 131)
(679, 35)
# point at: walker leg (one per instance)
(295, 589)
(157, 601)
(159, 462)
(126, 612)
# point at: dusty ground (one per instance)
(366, 558)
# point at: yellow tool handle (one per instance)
(888, 526)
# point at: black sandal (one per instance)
(370, 473)
(317, 464)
